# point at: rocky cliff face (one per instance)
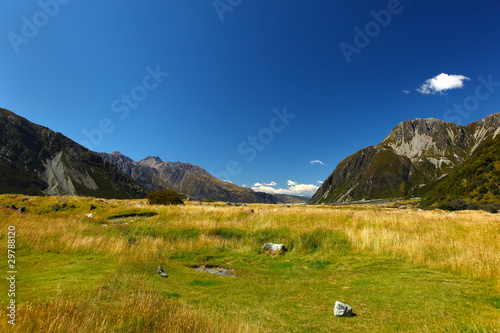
(408, 162)
(187, 179)
(36, 160)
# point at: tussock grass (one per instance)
(141, 311)
(467, 242)
(363, 256)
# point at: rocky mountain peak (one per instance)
(151, 161)
(414, 156)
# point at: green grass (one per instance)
(72, 269)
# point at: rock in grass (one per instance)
(342, 310)
(274, 247)
(92, 207)
(55, 207)
(22, 210)
(161, 272)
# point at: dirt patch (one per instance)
(218, 270)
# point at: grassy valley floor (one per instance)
(400, 270)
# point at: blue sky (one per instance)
(252, 91)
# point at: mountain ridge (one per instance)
(189, 180)
(38, 161)
(409, 161)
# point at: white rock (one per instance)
(342, 310)
(90, 215)
(274, 247)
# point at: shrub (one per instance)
(165, 197)
(457, 204)
(491, 208)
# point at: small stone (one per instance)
(25, 199)
(55, 207)
(92, 207)
(250, 211)
(342, 310)
(13, 207)
(161, 272)
(90, 215)
(22, 210)
(274, 247)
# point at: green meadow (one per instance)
(400, 270)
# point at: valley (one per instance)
(400, 269)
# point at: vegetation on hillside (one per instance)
(474, 185)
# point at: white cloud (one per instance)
(442, 82)
(244, 185)
(317, 162)
(294, 188)
(319, 182)
(265, 184)
(405, 91)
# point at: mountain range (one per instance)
(189, 180)
(35, 160)
(427, 158)
(415, 156)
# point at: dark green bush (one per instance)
(491, 208)
(165, 197)
(457, 204)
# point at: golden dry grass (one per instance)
(467, 243)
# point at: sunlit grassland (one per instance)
(400, 270)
